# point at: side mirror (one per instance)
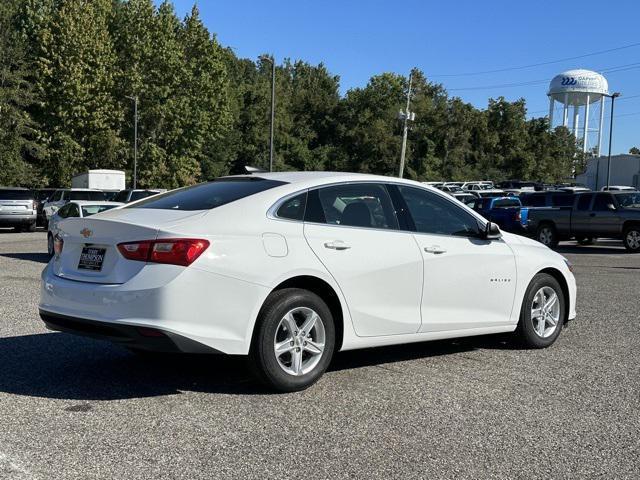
(611, 206)
(492, 231)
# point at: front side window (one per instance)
(365, 205)
(293, 208)
(602, 201)
(206, 196)
(436, 215)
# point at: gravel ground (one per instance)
(474, 408)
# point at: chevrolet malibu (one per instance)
(288, 268)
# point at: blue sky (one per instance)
(358, 39)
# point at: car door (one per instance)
(353, 230)
(469, 282)
(603, 219)
(581, 215)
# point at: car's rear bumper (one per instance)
(142, 338)
(17, 219)
(209, 309)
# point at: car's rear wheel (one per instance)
(547, 235)
(543, 312)
(50, 249)
(631, 238)
(294, 340)
(31, 227)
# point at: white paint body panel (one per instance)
(216, 300)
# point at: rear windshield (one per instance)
(506, 203)
(16, 195)
(206, 196)
(80, 195)
(88, 210)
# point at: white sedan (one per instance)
(289, 268)
(74, 209)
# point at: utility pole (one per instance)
(273, 109)
(406, 116)
(613, 98)
(135, 139)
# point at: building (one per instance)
(625, 170)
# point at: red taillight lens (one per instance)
(174, 251)
(58, 244)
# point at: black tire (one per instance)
(631, 238)
(262, 358)
(585, 240)
(50, 244)
(547, 235)
(526, 332)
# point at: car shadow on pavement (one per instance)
(39, 257)
(62, 366)
(593, 250)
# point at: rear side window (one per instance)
(85, 195)
(533, 200)
(206, 196)
(293, 208)
(16, 195)
(88, 210)
(584, 201)
(562, 200)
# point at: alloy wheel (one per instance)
(545, 312)
(633, 239)
(545, 236)
(299, 341)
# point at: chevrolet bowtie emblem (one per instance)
(85, 232)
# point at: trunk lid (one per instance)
(84, 238)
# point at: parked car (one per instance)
(451, 188)
(592, 215)
(290, 267)
(41, 196)
(74, 209)
(477, 186)
(504, 211)
(131, 195)
(61, 197)
(464, 197)
(18, 209)
(618, 188)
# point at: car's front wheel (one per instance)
(294, 340)
(543, 312)
(631, 238)
(547, 235)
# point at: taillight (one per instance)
(174, 251)
(518, 216)
(58, 243)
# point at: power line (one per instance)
(532, 65)
(619, 68)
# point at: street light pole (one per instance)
(613, 98)
(406, 116)
(135, 139)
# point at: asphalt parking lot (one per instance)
(474, 408)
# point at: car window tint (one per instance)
(140, 195)
(88, 210)
(73, 210)
(293, 208)
(629, 200)
(533, 200)
(562, 200)
(506, 203)
(433, 214)
(121, 196)
(206, 196)
(584, 201)
(365, 205)
(63, 212)
(601, 202)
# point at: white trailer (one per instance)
(109, 180)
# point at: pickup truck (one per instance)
(505, 211)
(591, 215)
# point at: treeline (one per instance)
(69, 67)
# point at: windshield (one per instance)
(88, 210)
(205, 196)
(629, 200)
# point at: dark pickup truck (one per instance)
(591, 215)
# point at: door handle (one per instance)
(337, 245)
(435, 249)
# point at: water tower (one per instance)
(577, 91)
